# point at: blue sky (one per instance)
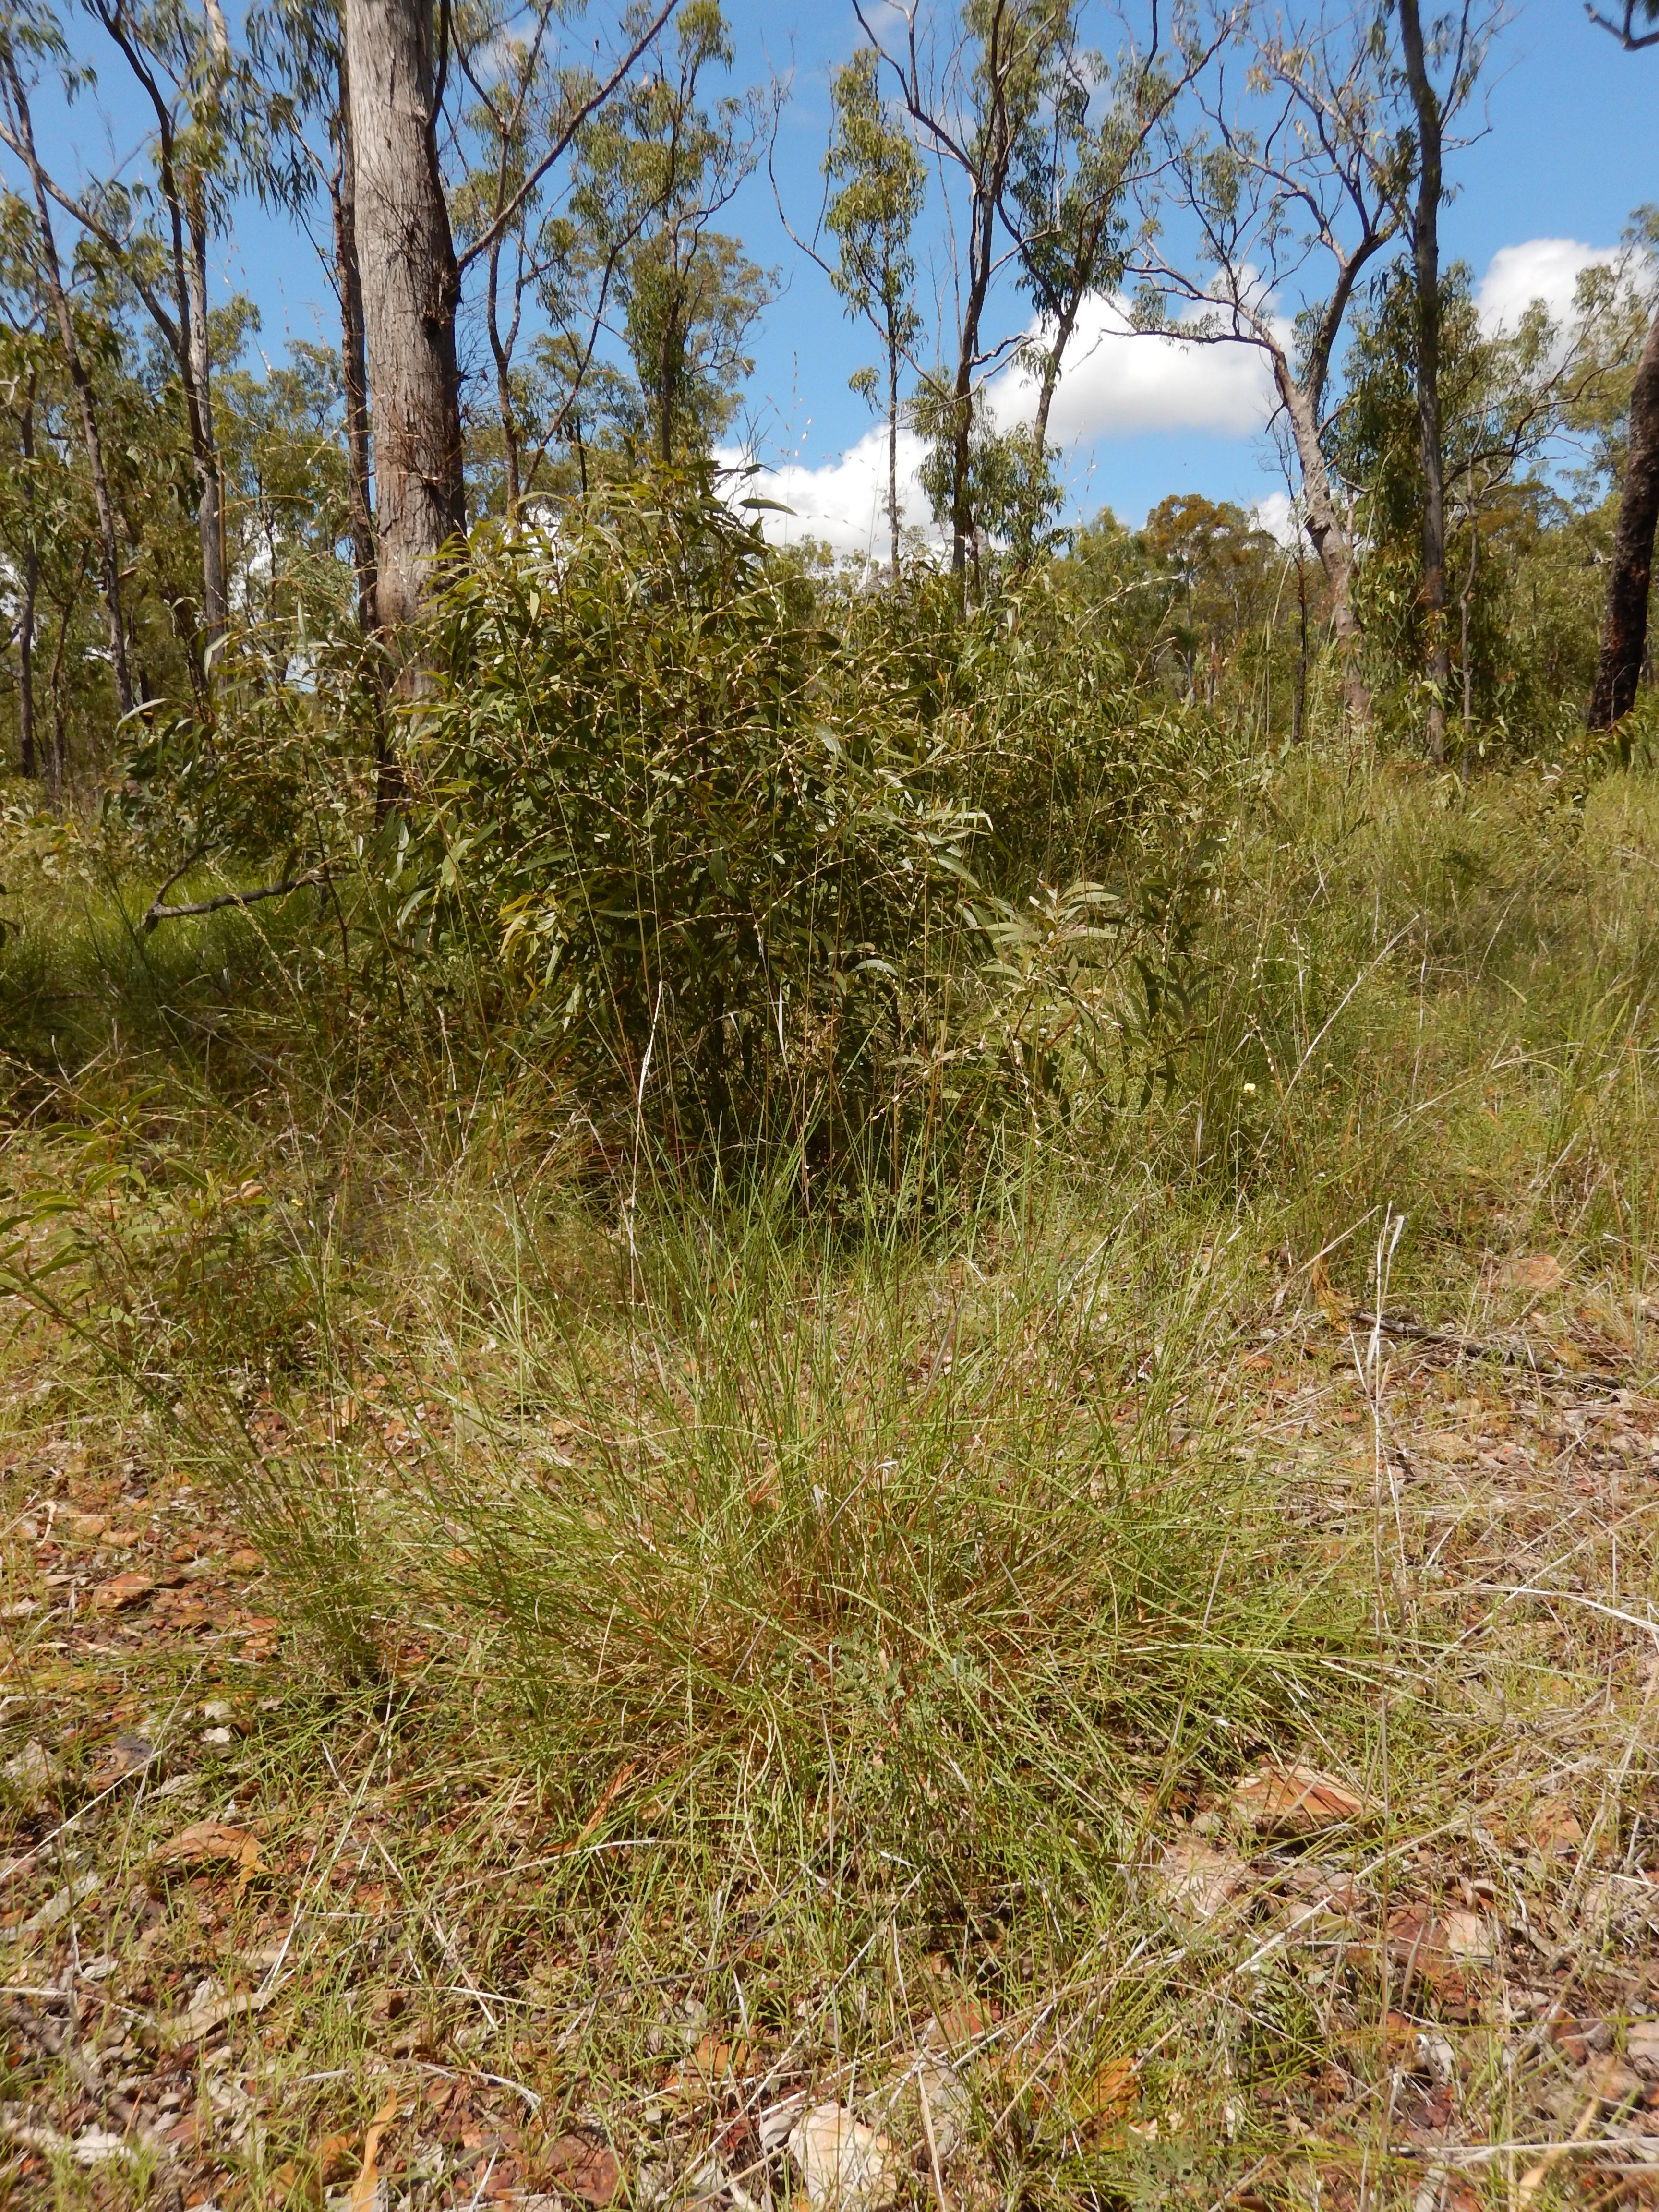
(1569, 149)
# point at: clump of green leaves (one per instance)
(700, 827)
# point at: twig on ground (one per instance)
(1474, 1348)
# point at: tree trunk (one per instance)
(58, 751)
(1299, 700)
(1330, 540)
(209, 512)
(1051, 362)
(962, 425)
(667, 376)
(1425, 261)
(31, 587)
(82, 383)
(892, 446)
(410, 289)
(354, 367)
(1465, 611)
(503, 379)
(1624, 635)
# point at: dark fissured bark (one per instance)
(1426, 260)
(354, 360)
(1624, 632)
(410, 289)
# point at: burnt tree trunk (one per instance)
(1624, 631)
(1425, 262)
(410, 289)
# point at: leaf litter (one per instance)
(1495, 1957)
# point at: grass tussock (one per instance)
(730, 1616)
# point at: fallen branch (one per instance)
(1474, 1348)
(157, 913)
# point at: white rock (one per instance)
(98, 2147)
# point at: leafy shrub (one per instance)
(703, 831)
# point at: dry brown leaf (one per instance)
(335, 2156)
(1295, 1801)
(209, 2010)
(1198, 1883)
(210, 1843)
(1533, 1272)
(1334, 1308)
(126, 1591)
(715, 2064)
(365, 2188)
(584, 2169)
(966, 2022)
(1105, 2102)
(1555, 1828)
(247, 1561)
(264, 1636)
(843, 2163)
(1443, 1956)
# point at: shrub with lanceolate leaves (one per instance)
(702, 830)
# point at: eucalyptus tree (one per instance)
(25, 38)
(1292, 183)
(880, 188)
(1625, 30)
(971, 102)
(1078, 166)
(527, 208)
(661, 165)
(206, 110)
(1440, 70)
(298, 50)
(1630, 575)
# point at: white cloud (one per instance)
(1277, 515)
(1116, 382)
(1119, 382)
(843, 502)
(1546, 268)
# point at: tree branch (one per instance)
(560, 145)
(157, 913)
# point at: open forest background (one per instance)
(823, 1378)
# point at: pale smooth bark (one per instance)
(1330, 540)
(354, 361)
(209, 509)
